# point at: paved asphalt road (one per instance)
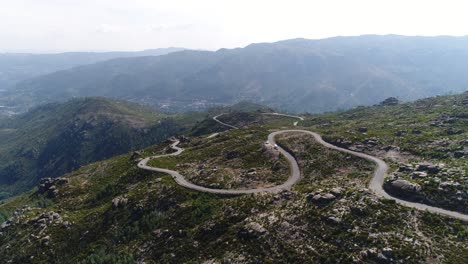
(294, 176)
(375, 185)
(222, 123)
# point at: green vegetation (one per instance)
(53, 139)
(236, 159)
(433, 130)
(113, 212)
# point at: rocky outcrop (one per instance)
(452, 131)
(362, 129)
(342, 142)
(390, 102)
(428, 167)
(459, 154)
(46, 219)
(321, 199)
(400, 133)
(183, 139)
(376, 256)
(465, 101)
(405, 186)
(404, 189)
(119, 202)
(252, 230)
(136, 155)
(48, 186)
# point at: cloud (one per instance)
(106, 28)
(213, 24)
(165, 27)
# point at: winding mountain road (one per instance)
(215, 118)
(285, 115)
(293, 178)
(375, 184)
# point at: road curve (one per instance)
(276, 114)
(293, 178)
(375, 184)
(378, 178)
(215, 118)
(279, 114)
(377, 181)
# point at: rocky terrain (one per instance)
(431, 184)
(223, 163)
(424, 142)
(113, 212)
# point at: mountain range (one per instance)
(15, 67)
(297, 75)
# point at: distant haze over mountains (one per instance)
(15, 67)
(295, 75)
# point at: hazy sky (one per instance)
(67, 25)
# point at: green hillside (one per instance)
(113, 212)
(53, 139)
(424, 141)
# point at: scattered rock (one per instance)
(252, 229)
(390, 102)
(5, 225)
(405, 186)
(342, 142)
(333, 220)
(458, 154)
(136, 155)
(256, 227)
(449, 184)
(370, 142)
(321, 199)
(49, 186)
(465, 101)
(160, 232)
(387, 252)
(45, 240)
(452, 131)
(119, 202)
(405, 168)
(183, 139)
(252, 172)
(419, 174)
(401, 133)
(233, 154)
(336, 191)
(66, 225)
(381, 258)
(391, 147)
(429, 167)
(362, 129)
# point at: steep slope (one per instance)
(295, 75)
(113, 212)
(53, 139)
